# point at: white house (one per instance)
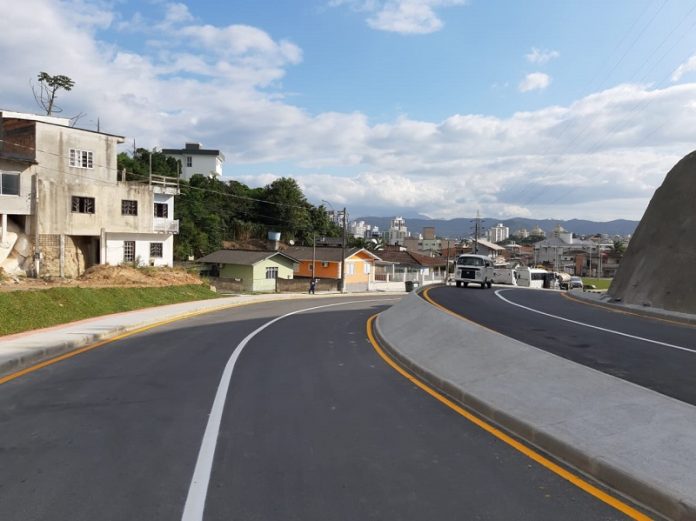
(64, 208)
(197, 160)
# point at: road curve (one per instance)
(315, 426)
(658, 355)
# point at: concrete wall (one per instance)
(56, 215)
(301, 285)
(54, 143)
(114, 248)
(17, 204)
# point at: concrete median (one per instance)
(634, 440)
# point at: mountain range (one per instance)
(457, 228)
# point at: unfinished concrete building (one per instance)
(64, 206)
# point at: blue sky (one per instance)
(434, 107)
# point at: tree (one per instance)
(619, 246)
(46, 93)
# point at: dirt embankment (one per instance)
(103, 276)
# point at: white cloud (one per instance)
(686, 67)
(220, 88)
(541, 56)
(401, 16)
(534, 81)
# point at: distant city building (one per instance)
(197, 160)
(498, 233)
(537, 232)
(358, 229)
(397, 231)
(522, 233)
(336, 217)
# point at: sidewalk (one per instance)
(20, 350)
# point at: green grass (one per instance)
(34, 309)
(598, 283)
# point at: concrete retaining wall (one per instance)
(635, 440)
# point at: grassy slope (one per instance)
(25, 310)
(599, 283)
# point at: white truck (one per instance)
(473, 268)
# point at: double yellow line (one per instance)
(530, 453)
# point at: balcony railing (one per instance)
(165, 225)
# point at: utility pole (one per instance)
(343, 254)
(447, 263)
(477, 230)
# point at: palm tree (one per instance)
(375, 244)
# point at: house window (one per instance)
(366, 268)
(82, 204)
(161, 210)
(156, 250)
(128, 251)
(350, 269)
(81, 158)
(189, 161)
(129, 207)
(272, 273)
(9, 183)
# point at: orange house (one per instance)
(325, 263)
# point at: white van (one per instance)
(473, 268)
(531, 277)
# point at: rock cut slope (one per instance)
(659, 267)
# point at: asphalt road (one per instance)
(316, 426)
(666, 369)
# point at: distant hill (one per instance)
(454, 228)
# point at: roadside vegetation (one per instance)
(597, 283)
(212, 212)
(34, 309)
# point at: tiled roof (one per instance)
(326, 254)
(243, 257)
(407, 258)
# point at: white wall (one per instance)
(207, 165)
(114, 248)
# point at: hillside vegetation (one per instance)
(211, 211)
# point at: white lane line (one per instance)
(665, 344)
(198, 490)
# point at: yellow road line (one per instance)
(65, 356)
(625, 312)
(543, 461)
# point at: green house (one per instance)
(254, 270)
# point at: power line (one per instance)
(141, 176)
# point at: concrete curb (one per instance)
(19, 357)
(618, 477)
